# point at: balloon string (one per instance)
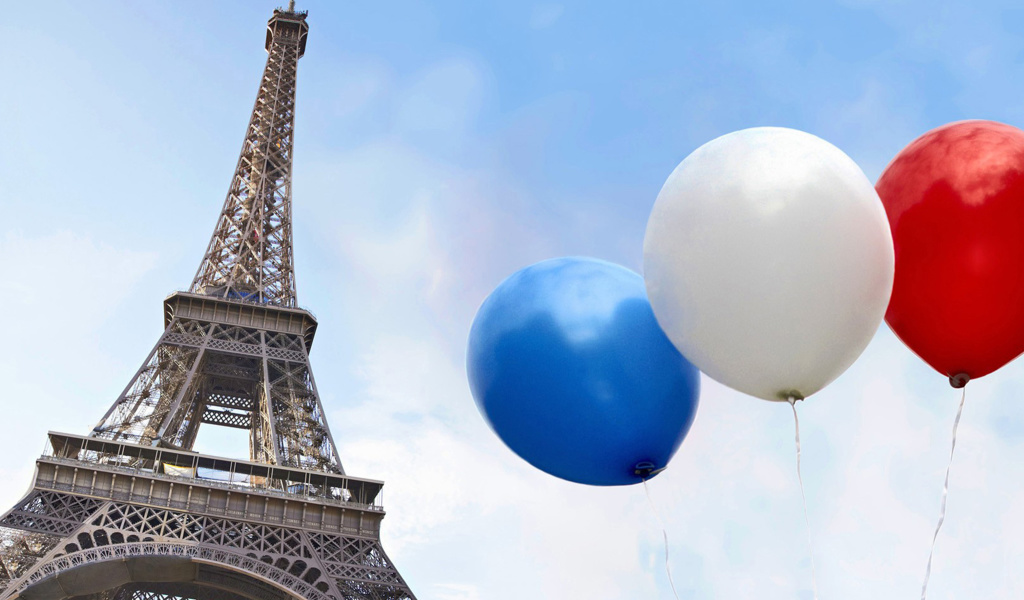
(807, 520)
(945, 492)
(664, 534)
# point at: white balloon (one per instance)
(769, 261)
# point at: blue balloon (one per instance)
(570, 368)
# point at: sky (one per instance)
(442, 145)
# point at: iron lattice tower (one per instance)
(130, 512)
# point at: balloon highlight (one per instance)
(567, 364)
(955, 202)
(768, 261)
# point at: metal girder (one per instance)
(249, 257)
(197, 365)
(227, 418)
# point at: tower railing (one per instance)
(214, 471)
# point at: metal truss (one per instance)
(130, 512)
(250, 254)
(52, 532)
(220, 374)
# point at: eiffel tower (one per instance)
(130, 512)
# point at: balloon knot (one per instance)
(790, 396)
(959, 380)
(645, 469)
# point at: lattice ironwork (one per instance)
(35, 527)
(51, 512)
(303, 439)
(234, 401)
(358, 565)
(227, 418)
(197, 366)
(127, 551)
(147, 401)
(20, 550)
(250, 254)
(69, 530)
(234, 353)
(174, 525)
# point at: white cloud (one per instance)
(60, 291)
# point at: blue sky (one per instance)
(440, 147)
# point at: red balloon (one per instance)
(955, 200)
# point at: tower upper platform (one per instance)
(290, 23)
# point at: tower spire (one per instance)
(249, 256)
